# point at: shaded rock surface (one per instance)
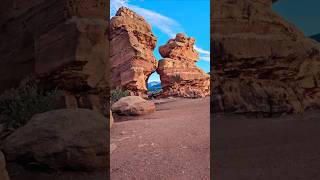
(64, 41)
(131, 51)
(64, 140)
(262, 64)
(178, 73)
(3, 170)
(133, 105)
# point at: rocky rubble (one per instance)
(178, 73)
(262, 64)
(131, 52)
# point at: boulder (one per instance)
(133, 105)
(262, 64)
(131, 52)
(178, 72)
(63, 140)
(3, 171)
(180, 48)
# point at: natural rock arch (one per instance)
(132, 60)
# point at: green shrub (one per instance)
(21, 103)
(118, 94)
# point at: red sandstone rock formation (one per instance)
(65, 41)
(178, 73)
(262, 63)
(131, 51)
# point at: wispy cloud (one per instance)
(204, 54)
(202, 51)
(205, 58)
(166, 25)
(116, 4)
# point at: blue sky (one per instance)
(304, 14)
(169, 17)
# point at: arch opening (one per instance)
(153, 83)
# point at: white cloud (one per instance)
(202, 51)
(204, 54)
(205, 58)
(116, 4)
(165, 24)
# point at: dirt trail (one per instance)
(171, 144)
(285, 148)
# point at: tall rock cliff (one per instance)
(64, 41)
(131, 52)
(262, 64)
(178, 73)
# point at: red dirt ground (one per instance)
(171, 144)
(284, 148)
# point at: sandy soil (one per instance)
(284, 148)
(171, 144)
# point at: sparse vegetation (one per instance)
(19, 104)
(154, 94)
(118, 94)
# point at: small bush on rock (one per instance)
(21, 103)
(118, 94)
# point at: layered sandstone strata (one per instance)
(64, 41)
(131, 51)
(178, 73)
(262, 63)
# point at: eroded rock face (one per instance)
(64, 41)
(131, 47)
(65, 139)
(178, 73)
(262, 63)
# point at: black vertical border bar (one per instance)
(211, 90)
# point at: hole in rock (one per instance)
(153, 84)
